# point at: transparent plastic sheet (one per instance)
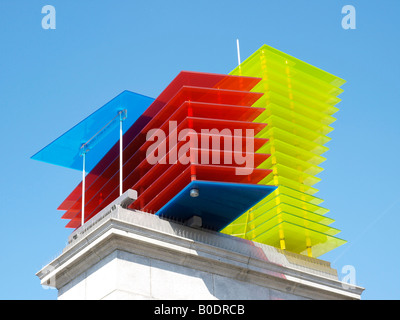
(65, 150)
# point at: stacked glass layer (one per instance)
(299, 101)
(164, 152)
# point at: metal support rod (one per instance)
(238, 51)
(120, 156)
(93, 141)
(83, 189)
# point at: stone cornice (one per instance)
(147, 235)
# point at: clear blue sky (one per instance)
(52, 79)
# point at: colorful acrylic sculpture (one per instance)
(240, 151)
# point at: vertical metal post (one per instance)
(121, 179)
(238, 51)
(83, 189)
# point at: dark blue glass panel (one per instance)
(218, 203)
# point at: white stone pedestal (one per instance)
(124, 254)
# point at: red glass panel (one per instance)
(203, 157)
(102, 182)
(184, 78)
(202, 172)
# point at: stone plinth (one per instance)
(124, 254)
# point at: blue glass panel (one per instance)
(65, 150)
(217, 203)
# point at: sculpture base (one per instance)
(124, 254)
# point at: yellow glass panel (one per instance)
(267, 85)
(256, 216)
(299, 101)
(289, 173)
(290, 162)
(282, 181)
(297, 239)
(273, 200)
(290, 138)
(272, 109)
(293, 128)
(285, 102)
(286, 77)
(282, 190)
(275, 145)
(303, 71)
(285, 217)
